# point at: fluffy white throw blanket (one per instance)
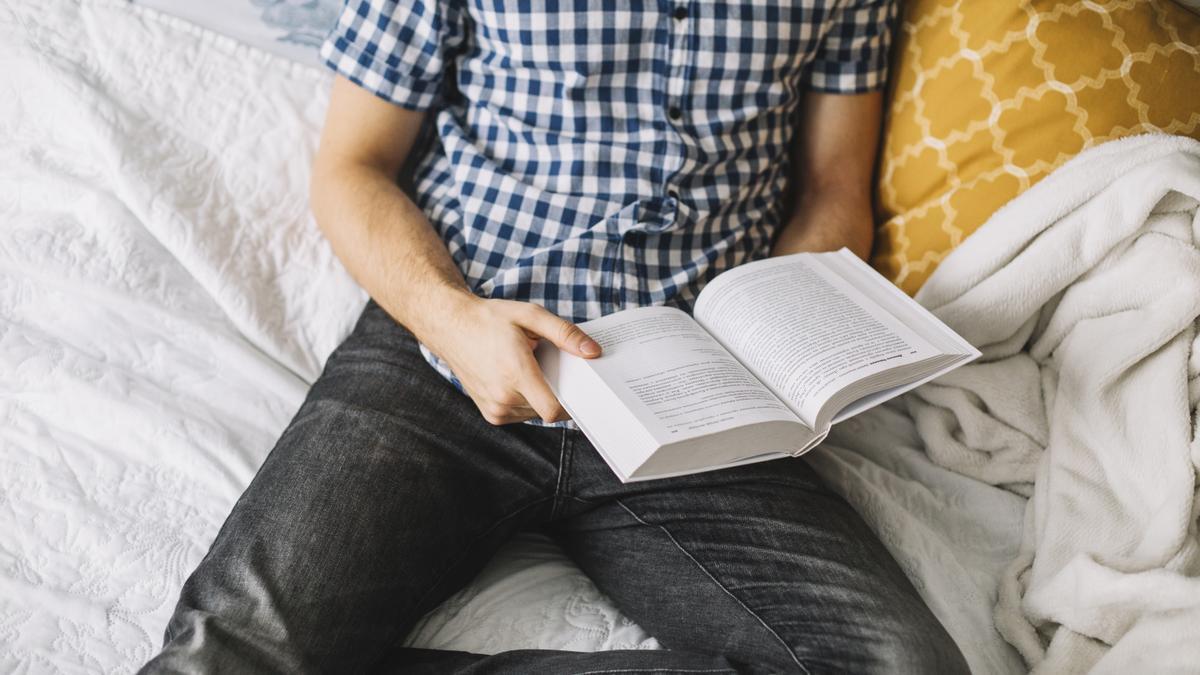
(1084, 295)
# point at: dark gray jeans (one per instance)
(388, 492)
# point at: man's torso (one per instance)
(592, 156)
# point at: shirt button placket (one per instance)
(677, 77)
(682, 22)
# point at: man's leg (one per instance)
(386, 493)
(762, 564)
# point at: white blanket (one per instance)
(1084, 295)
(165, 301)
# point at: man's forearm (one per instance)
(386, 243)
(827, 220)
(835, 157)
(393, 252)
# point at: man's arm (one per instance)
(835, 159)
(394, 253)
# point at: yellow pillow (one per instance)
(990, 96)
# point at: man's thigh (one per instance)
(385, 494)
(762, 563)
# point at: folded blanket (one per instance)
(1083, 295)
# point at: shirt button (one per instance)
(680, 13)
(673, 194)
(674, 112)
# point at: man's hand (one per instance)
(489, 345)
(835, 159)
(389, 247)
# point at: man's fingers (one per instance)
(506, 408)
(564, 334)
(498, 414)
(541, 398)
(507, 385)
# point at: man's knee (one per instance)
(201, 641)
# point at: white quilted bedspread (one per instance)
(165, 300)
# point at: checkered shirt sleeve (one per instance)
(853, 57)
(394, 49)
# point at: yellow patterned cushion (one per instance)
(989, 96)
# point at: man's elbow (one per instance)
(318, 192)
(330, 177)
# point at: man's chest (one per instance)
(704, 55)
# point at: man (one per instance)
(582, 157)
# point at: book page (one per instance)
(803, 331)
(677, 380)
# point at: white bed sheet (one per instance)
(165, 300)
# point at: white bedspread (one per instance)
(1084, 295)
(165, 300)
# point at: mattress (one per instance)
(166, 300)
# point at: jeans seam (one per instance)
(466, 549)
(562, 471)
(567, 463)
(720, 585)
(658, 670)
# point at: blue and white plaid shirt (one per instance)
(596, 155)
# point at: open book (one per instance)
(776, 351)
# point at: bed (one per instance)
(166, 299)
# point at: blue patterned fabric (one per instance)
(299, 22)
(293, 29)
(596, 155)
